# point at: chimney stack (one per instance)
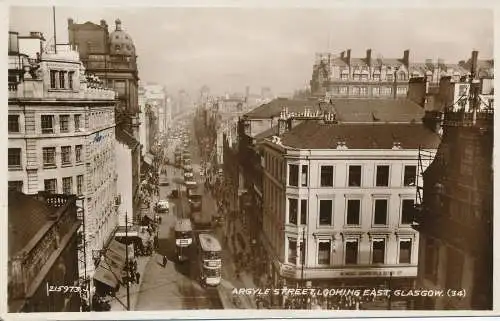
(342, 55)
(406, 58)
(369, 57)
(473, 65)
(348, 58)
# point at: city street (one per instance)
(175, 286)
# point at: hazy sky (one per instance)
(229, 48)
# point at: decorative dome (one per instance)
(120, 42)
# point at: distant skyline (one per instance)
(228, 49)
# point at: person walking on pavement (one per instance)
(137, 277)
(165, 261)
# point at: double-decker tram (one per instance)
(210, 260)
(183, 238)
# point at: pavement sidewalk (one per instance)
(119, 302)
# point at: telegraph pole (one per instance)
(127, 264)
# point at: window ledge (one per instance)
(15, 168)
(47, 166)
(67, 165)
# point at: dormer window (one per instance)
(117, 47)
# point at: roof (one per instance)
(267, 133)
(25, 208)
(317, 135)
(347, 110)
(209, 243)
(183, 225)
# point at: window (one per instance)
(454, 268)
(50, 185)
(387, 91)
(326, 176)
(378, 251)
(14, 158)
(344, 76)
(376, 91)
(410, 175)
(53, 79)
(66, 155)
(431, 259)
(354, 175)
(351, 252)
(293, 207)
(71, 74)
(405, 251)
(77, 123)
(47, 124)
(78, 153)
(324, 252)
(401, 75)
(390, 77)
(292, 251)
(382, 175)
(407, 211)
(16, 186)
(67, 185)
(293, 175)
(343, 89)
(62, 80)
(14, 124)
(401, 90)
(79, 185)
(303, 178)
(355, 90)
(363, 91)
(376, 76)
(325, 212)
(380, 215)
(353, 210)
(303, 212)
(64, 123)
(49, 156)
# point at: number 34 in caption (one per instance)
(64, 289)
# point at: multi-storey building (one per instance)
(112, 57)
(338, 199)
(455, 220)
(61, 127)
(369, 77)
(43, 242)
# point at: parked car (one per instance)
(162, 206)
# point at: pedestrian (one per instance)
(137, 277)
(165, 261)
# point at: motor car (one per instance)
(164, 182)
(162, 206)
(188, 175)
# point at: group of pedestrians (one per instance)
(132, 274)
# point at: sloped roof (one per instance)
(27, 216)
(317, 135)
(347, 110)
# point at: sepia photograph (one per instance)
(249, 158)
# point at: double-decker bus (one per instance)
(210, 259)
(183, 238)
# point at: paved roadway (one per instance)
(175, 286)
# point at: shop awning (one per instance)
(148, 159)
(122, 232)
(108, 273)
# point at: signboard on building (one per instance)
(290, 271)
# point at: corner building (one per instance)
(61, 127)
(339, 199)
